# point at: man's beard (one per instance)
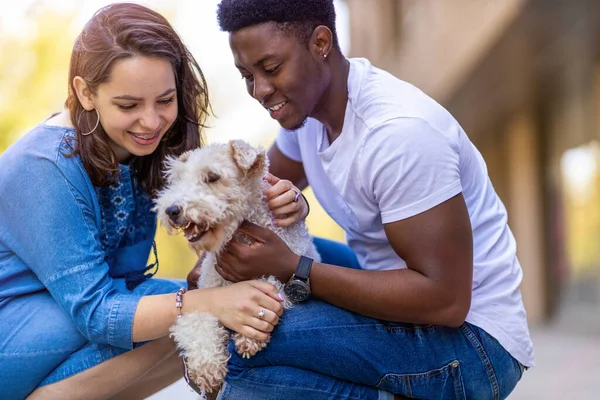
(297, 126)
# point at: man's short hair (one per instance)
(296, 17)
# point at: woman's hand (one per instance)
(237, 307)
(287, 205)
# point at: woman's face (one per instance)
(280, 72)
(137, 105)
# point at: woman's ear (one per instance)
(83, 92)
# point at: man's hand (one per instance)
(287, 205)
(268, 255)
(194, 275)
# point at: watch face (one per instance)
(297, 290)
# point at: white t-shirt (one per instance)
(399, 154)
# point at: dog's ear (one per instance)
(185, 155)
(249, 159)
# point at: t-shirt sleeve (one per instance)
(287, 143)
(409, 167)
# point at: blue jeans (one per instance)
(40, 344)
(319, 351)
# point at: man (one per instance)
(435, 310)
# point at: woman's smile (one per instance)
(145, 139)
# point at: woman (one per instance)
(80, 316)
(435, 311)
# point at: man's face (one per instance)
(280, 72)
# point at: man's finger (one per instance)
(285, 222)
(256, 232)
(234, 249)
(278, 189)
(275, 191)
(272, 179)
(225, 274)
(283, 211)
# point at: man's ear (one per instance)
(321, 42)
(251, 160)
(83, 92)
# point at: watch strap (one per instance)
(303, 268)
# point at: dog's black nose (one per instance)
(173, 212)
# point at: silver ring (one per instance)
(261, 313)
(297, 196)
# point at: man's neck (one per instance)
(333, 109)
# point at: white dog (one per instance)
(209, 192)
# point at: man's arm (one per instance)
(435, 240)
(411, 171)
(437, 246)
(285, 168)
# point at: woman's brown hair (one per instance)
(120, 31)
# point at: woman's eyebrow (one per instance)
(129, 97)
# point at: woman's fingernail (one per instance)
(281, 295)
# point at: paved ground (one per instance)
(567, 368)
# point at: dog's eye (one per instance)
(211, 177)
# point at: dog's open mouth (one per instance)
(194, 232)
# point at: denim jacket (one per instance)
(60, 233)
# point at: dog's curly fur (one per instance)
(212, 190)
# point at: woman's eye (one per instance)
(247, 78)
(167, 101)
(126, 107)
(271, 70)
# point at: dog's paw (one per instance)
(247, 347)
(209, 379)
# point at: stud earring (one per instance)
(325, 55)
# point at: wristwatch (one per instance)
(297, 289)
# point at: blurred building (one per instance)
(522, 78)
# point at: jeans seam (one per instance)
(489, 368)
(408, 385)
(455, 386)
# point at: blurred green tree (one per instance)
(33, 74)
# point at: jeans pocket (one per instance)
(442, 383)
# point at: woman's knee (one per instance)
(40, 337)
(155, 359)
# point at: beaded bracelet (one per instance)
(179, 305)
(179, 301)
